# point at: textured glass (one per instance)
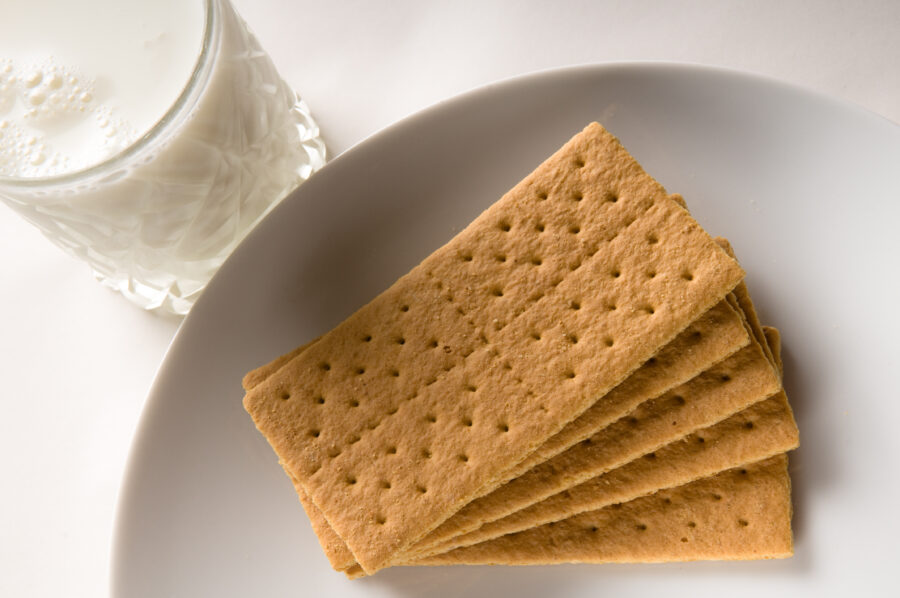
(156, 221)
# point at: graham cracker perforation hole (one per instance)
(500, 258)
(401, 341)
(353, 403)
(504, 226)
(426, 454)
(404, 308)
(391, 450)
(431, 418)
(743, 522)
(367, 338)
(325, 366)
(701, 440)
(395, 373)
(315, 433)
(573, 339)
(466, 257)
(641, 527)
(608, 342)
(578, 196)
(652, 239)
(633, 421)
(421, 489)
(574, 229)
(717, 497)
(725, 378)
(684, 539)
(691, 524)
(320, 400)
(536, 261)
(385, 485)
(470, 388)
(497, 292)
(542, 195)
(380, 519)
(651, 274)
(576, 305)
(536, 336)
(649, 310)
(579, 163)
(467, 422)
(360, 371)
(650, 456)
(503, 427)
(351, 480)
(285, 395)
(616, 273)
(539, 227)
(433, 344)
(463, 458)
(569, 374)
(593, 529)
(612, 197)
(687, 276)
(748, 425)
(679, 400)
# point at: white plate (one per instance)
(805, 187)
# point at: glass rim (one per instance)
(169, 119)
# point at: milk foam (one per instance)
(82, 81)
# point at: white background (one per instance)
(77, 360)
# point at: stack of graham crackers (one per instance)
(578, 376)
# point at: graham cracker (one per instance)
(672, 465)
(742, 513)
(743, 379)
(760, 431)
(260, 374)
(773, 339)
(706, 341)
(391, 422)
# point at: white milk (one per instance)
(80, 81)
(83, 80)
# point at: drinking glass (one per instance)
(157, 219)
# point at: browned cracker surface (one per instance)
(742, 513)
(399, 416)
(708, 339)
(764, 429)
(759, 431)
(745, 378)
(704, 343)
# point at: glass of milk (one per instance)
(146, 137)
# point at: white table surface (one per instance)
(78, 360)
